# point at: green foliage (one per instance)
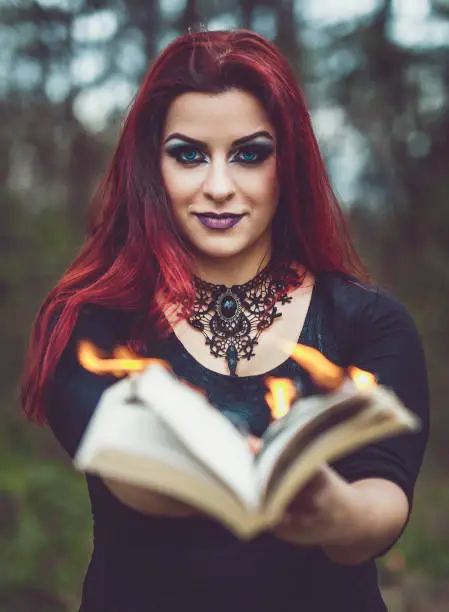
(45, 541)
(425, 543)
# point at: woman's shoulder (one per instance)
(359, 314)
(106, 327)
(353, 298)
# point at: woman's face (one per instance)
(218, 164)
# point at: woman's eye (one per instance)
(253, 155)
(249, 156)
(186, 155)
(189, 155)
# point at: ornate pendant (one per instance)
(228, 306)
(232, 359)
(232, 318)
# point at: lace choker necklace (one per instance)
(232, 318)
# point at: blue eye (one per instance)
(256, 154)
(188, 154)
(185, 154)
(249, 156)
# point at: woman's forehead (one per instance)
(219, 117)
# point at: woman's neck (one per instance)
(229, 271)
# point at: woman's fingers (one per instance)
(254, 443)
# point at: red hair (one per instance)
(133, 248)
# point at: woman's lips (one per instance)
(219, 222)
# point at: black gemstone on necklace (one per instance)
(228, 306)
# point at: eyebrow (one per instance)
(235, 143)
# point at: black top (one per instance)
(145, 564)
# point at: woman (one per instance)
(215, 231)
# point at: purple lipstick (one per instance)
(219, 222)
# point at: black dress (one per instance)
(146, 564)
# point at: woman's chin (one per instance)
(219, 247)
(218, 254)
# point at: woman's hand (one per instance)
(254, 443)
(351, 522)
(319, 514)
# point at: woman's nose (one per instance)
(218, 184)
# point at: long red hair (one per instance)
(133, 248)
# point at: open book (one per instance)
(153, 430)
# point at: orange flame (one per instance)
(124, 361)
(282, 391)
(361, 378)
(325, 373)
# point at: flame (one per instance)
(282, 391)
(361, 378)
(325, 373)
(124, 361)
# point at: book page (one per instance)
(326, 413)
(298, 426)
(210, 437)
(131, 443)
(381, 417)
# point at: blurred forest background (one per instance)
(376, 74)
